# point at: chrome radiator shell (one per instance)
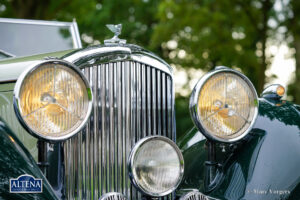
(133, 98)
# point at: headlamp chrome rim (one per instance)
(17, 106)
(132, 156)
(194, 104)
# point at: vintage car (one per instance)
(99, 123)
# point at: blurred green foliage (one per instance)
(292, 23)
(214, 33)
(183, 119)
(205, 33)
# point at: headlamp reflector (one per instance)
(53, 100)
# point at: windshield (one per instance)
(29, 37)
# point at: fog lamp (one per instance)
(52, 100)
(156, 166)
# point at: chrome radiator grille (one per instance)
(131, 101)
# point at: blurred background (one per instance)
(261, 38)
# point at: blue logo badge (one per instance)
(25, 184)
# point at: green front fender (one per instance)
(15, 160)
(264, 167)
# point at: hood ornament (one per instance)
(116, 29)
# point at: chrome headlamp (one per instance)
(52, 100)
(156, 166)
(224, 105)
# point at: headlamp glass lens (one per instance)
(54, 100)
(226, 105)
(157, 167)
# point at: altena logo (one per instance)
(25, 184)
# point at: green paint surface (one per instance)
(15, 161)
(267, 159)
(8, 115)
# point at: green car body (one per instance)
(264, 165)
(16, 161)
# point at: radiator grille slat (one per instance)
(131, 101)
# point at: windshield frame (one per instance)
(71, 25)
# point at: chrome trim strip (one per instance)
(148, 104)
(194, 102)
(35, 22)
(163, 105)
(137, 146)
(113, 53)
(143, 101)
(170, 114)
(76, 36)
(138, 102)
(154, 101)
(89, 150)
(126, 115)
(152, 61)
(16, 100)
(159, 101)
(87, 56)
